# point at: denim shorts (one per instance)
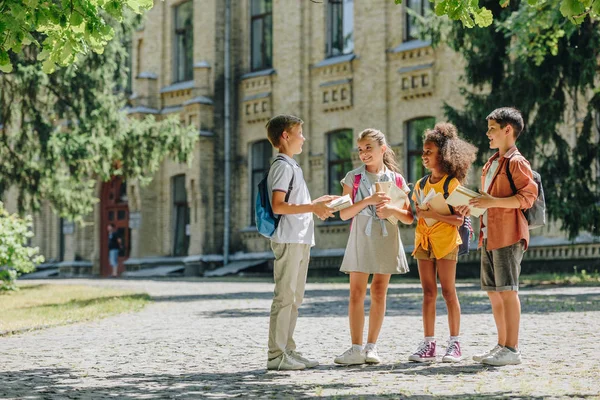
(500, 268)
(422, 254)
(113, 257)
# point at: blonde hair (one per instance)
(389, 157)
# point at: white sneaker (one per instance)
(284, 363)
(308, 363)
(479, 357)
(503, 357)
(353, 356)
(371, 355)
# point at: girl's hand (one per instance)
(484, 201)
(377, 198)
(427, 213)
(384, 210)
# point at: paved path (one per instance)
(207, 339)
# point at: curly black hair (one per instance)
(455, 154)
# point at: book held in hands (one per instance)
(340, 203)
(461, 197)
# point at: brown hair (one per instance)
(508, 116)
(278, 124)
(389, 157)
(455, 154)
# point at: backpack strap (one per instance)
(399, 180)
(510, 178)
(423, 182)
(357, 178)
(446, 188)
(291, 185)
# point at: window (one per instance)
(261, 154)
(411, 31)
(414, 146)
(184, 42)
(261, 34)
(339, 161)
(181, 217)
(340, 27)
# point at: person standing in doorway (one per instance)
(114, 246)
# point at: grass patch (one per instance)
(42, 306)
(577, 278)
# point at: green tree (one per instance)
(546, 88)
(15, 256)
(471, 13)
(66, 130)
(62, 29)
(62, 133)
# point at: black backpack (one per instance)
(536, 215)
(465, 229)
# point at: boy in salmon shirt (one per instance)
(504, 231)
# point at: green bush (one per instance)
(16, 257)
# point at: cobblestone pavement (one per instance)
(207, 339)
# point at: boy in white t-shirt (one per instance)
(291, 241)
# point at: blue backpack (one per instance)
(465, 230)
(266, 221)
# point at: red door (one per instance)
(115, 210)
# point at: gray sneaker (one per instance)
(308, 363)
(503, 357)
(284, 363)
(479, 357)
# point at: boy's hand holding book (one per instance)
(484, 201)
(476, 202)
(321, 207)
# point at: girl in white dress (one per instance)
(374, 246)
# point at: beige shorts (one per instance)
(422, 254)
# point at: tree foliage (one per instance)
(65, 131)
(550, 90)
(541, 23)
(62, 30)
(15, 256)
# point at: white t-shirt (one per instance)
(488, 181)
(292, 228)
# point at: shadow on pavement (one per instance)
(66, 383)
(401, 302)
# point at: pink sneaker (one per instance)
(453, 353)
(425, 352)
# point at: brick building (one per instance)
(341, 65)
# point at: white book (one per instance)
(461, 197)
(340, 203)
(398, 197)
(422, 198)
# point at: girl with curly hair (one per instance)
(448, 158)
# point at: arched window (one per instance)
(339, 160)
(414, 146)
